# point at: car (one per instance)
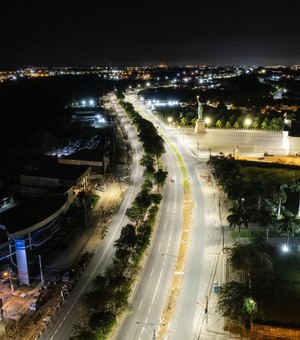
(172, 179)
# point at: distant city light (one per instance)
(92, 102)
(83, 102)
(285, 248)
(157, 102)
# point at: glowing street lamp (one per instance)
(207, 120)
(247, 122)
(250, 306)
(170, 120)
(285, 248)
(92, 102)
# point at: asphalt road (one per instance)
(202, 254)
(152, 291)
(69, 314)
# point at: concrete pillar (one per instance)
(200, 126)
(22, 261)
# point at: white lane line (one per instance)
(158, 282)
(140, 304)
(151, 272)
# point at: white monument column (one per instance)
(200, 124)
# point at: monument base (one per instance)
(200, 126)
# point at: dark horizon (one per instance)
(132, 33)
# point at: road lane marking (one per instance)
(158, 282)
(151, 272)
(140, 304)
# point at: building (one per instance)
(30, 224)
(40, 180)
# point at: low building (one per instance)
(39, 180)
(98, 159)
(294, 137)
(30, 224)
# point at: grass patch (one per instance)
(279, 302)
(271, 175)
(186, 184)
(245, 233)
(94, 200)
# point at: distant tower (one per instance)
(200, 124)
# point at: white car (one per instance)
(172, 179)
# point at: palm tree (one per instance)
(280, 197)
(267, 217)
(295, 187)
(259, 188)
(288, 224)
(238, 216)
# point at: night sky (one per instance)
(90, 32)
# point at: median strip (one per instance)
(177, 280)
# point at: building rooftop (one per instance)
(94, 155)
(61, 171)
(30, 213)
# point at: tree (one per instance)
(295, 187)
(184, 121)
(251, 260)
(135, 214)
(279, 197)
(259, 189)
(102, 322)
(267, 217)
(236, 125)
(147, 161)
(160, 177)
(288, 224)
(219, 123)
(82, 332)
(228, 125)
(231, 301)
(238, 217)
(235, 187)
(127, 239)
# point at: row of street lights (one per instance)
(207, 121)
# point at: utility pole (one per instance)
(222, 227)
(41, 270)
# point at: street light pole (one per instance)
(222, 227)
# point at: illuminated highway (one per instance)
(203, 249)
(69, 314)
